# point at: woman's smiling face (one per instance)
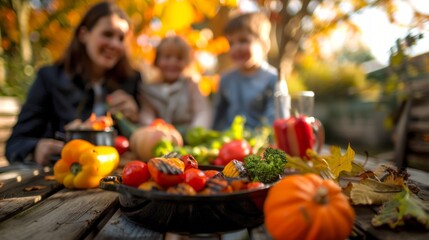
(105, 42)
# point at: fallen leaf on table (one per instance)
(370, 191)
(338, 162)
(393, 176)
(50, 178)
(34, 188)
(403, 208)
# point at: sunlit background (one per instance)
(341, 50)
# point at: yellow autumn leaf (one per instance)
(176, 15)
(229, 3)
(338, 162)
(208, 8)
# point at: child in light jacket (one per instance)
(175, 98)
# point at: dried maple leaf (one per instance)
(50, 178)
(338, 162)
(370, 191)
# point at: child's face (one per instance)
(172, 61)
(246, 51)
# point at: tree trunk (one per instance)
(289, 33)
(22, 9)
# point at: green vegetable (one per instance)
(199, 135)
(236, 130)
(162, 147)
(267, 168)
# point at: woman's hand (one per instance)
(45, 148)
(120, 101)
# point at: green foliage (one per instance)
(331, 81)
(19, 77)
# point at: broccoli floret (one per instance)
(268, 168)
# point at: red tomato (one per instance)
(253, 185)
(121, 144)
(196, 179)
(135, 173)
(236, 149)
(190, 161)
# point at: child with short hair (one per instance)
(175, 98)
(247, 89)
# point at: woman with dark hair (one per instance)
(95, 67)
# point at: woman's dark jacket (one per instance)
(54, 100)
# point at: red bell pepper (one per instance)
(295, 135)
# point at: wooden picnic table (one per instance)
(34, 206)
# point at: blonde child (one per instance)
(175, 98)
(248, 88)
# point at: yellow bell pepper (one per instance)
(86, 165)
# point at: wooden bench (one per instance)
(412, 143)
(9, 109)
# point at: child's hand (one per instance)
(120, 101)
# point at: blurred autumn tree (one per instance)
(35, 32)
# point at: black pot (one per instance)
(166, 212)
(97, 137)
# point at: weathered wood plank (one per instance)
(260, 233)
(364, 215)
(26, 195)
(64, 215)
(119, 227)
(16, 177)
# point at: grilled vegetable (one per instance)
(164, 172)
(215, 186)
(235, 169)
(182, 189)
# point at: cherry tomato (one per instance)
(190, 161)
(236, 149)
(196, 179)
(253, 185)
(135, 173)
(121, 144)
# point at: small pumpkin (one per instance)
(308, 207)
(144, 139)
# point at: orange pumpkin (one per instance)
(308, 207)
(144, 139)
